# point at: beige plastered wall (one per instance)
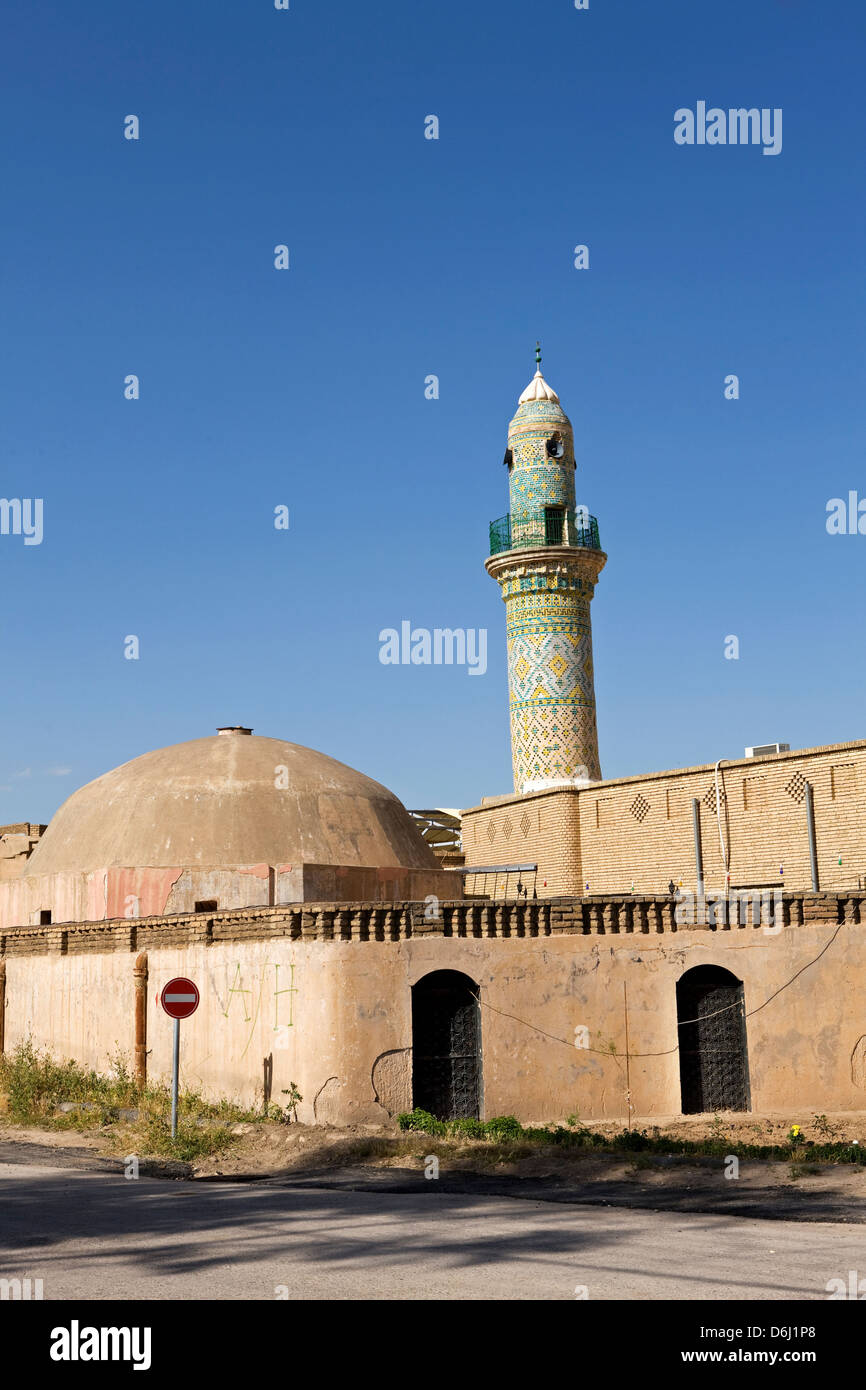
(335, 1017)
(136, 892)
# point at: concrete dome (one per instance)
(226, 801)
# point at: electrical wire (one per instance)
(601, 1052)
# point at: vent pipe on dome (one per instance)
(234, 729)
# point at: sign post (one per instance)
(179, 999)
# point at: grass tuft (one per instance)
(36, 1084)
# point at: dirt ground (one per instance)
(371, 1156)
(273, 1150)
(269, 1148)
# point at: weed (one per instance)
(631, 1140)
(294, 1100)
(192, 1141)
(502, 1127)
(421, 1120)
(285, 1114)
(36, 1084)
(717, 1129)
(641, 1163)
(466, 1128)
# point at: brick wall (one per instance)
(635, 833)
(370, 922)
(541, 827)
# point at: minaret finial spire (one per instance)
(537, 356)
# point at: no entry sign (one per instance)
(179, 998)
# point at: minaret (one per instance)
(546, 558)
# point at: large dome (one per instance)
(229, 800)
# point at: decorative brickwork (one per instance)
(709, 798)
(638, 832)
(797, 787)
(370, 922)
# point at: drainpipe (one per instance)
(813, 848)
(699, 852)
(139, 975)
(2, 1004)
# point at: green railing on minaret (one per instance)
(552, 526)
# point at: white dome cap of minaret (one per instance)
(538, 389)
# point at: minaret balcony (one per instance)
(550, 526)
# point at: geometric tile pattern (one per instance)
(535, 488)
(556, 742)
(547, 603)
(640, 808)
(536, 480)
(550, 677)
(553, 665)
(538, 415)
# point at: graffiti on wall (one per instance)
(265, 993)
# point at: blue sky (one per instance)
(410, 257)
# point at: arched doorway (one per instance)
(446, 1046)
(711, 1028)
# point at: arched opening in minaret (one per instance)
(446, 1046)
(711, 1029)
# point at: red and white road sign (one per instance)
(179, 998)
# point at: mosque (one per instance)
(672, 942)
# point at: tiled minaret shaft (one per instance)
(546, 558)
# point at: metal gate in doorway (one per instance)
(711, 1027)
(446, 1046)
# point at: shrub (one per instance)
(634, 1140)
(505, 1128)
(502, 1127)
(420, 1120)
(466, 1128)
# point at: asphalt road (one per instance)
(93, 1234)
